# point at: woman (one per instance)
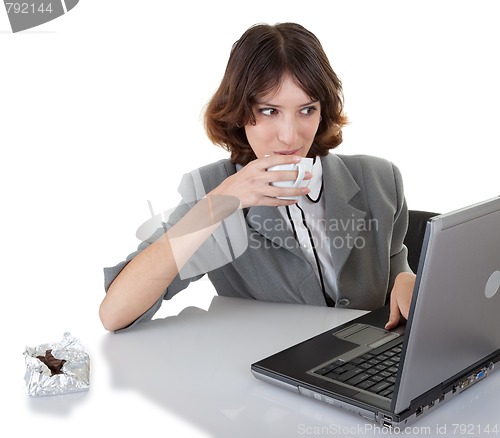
(340, 244)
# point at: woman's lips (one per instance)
(294, 152)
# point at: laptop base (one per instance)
(426, 404)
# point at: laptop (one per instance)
(450, 342)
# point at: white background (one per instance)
(101, 111)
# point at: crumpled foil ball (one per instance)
(57, 368)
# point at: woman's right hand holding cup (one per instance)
(252, 185)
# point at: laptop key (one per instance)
(365, 384)
(343, 369)
(357, 379)
(348, 375)
(323, 370)
(379, 387)
(386, 393)
(366, 356)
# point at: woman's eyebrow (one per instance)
(312, 102)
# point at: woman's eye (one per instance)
(308, 111)
(268, 111)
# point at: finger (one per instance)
(280, 192)
(285, 175)
(263, 164)
(273, 160)
(274, 196)
(277, 202)
(394, 313)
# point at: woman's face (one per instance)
(286, 122)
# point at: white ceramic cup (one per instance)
(305, 165)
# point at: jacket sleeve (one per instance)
(178, 284)
(225, 243)
(382, 186)
(398, 251)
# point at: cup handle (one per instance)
(300, 175)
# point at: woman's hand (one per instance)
(400, 298)
(252, 184)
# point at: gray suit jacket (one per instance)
(366, 221)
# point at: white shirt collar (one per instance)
(316, 182)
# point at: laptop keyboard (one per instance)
(374, 371)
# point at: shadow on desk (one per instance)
(197, 364)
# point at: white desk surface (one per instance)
(189, 375)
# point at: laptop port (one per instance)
(464, 383)
(386, 421)
(420, 411)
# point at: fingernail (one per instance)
(296, 159)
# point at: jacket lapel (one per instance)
(343, 219)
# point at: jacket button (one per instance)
(343, 302)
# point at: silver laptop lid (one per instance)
(454, 314)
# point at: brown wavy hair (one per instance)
(257, 64)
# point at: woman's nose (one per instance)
(287, 131)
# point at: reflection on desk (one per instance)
(197, 365)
